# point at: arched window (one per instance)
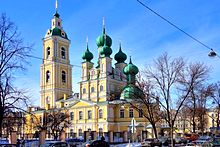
(47, 76)
(101, 88)
(71, 115)
(92, 89)
(63, 76)
(100, 113)
(80, 115)
(89, 114)
(100, 131)
(80, 132)
(63, 53)
(84, 90)
(131, 112)
(141, 113)
(48, 52)
(122, 113)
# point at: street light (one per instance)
(212, 53)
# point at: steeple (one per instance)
(56, 21)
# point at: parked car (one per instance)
(98, 143)
(7, 145)
(150, 142)
(180, 140)
(75, 142)
(216, 141)
(55, 144)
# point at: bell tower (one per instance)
(56, 71)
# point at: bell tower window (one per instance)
(48, 52)
(58, 23)
(47, 76)
(63, 76)
(63, 53)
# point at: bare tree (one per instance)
(57, 121)
(173, 81)
(13, 55)
(54, 121)
(215, 104)
(146, 103)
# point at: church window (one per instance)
(63, 76)
(100, 113)
(80, 132)
(140, 112)
(89, 114)
(84, 90)
(71, 133)
(92, 89)
(101, 88)
(131, 112)
(47, 76)
(63, 53)
(100, 132)
(48, 52)
(58, 23)
(122, 113)
(71, 115)
(80, 115)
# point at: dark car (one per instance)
(55, 144)
(8, 145)
(74, 142)
(99, 143)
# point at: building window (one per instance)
(89, 114)
(71, 133)
(58, 23)
(100, 113)
(63, 76)
(84, 90)
(80, 115)
(100, 132)
(63, 53)
(122, 113)
(140, 113)
(48, 52)
(92, 89)
(47, 76)
(131, 112)
(101, 88)
(71, 116)
(80, 132)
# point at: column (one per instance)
(125, 136)
(111, 136)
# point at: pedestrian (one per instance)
(102, 138)
(18, 143)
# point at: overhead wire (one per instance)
(35, 57)
(175, 26)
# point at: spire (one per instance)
(87, 43)
(103, 25)
(56, 6)
(130, 62)
(119, 45)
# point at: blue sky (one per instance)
(142, 34)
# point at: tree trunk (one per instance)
(172, 144)
(155, 130)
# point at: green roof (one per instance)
(100, 41)
(87, 55)
(57, 32)
(130, 69)
(131, 91)
(120, 57)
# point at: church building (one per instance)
(100, 109)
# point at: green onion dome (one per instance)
(105, 51)
(131, 91)
(56, 32)
(101, 39)
(120, 57)
(130, 69)
(87, 55)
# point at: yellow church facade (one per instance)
(97, 110)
